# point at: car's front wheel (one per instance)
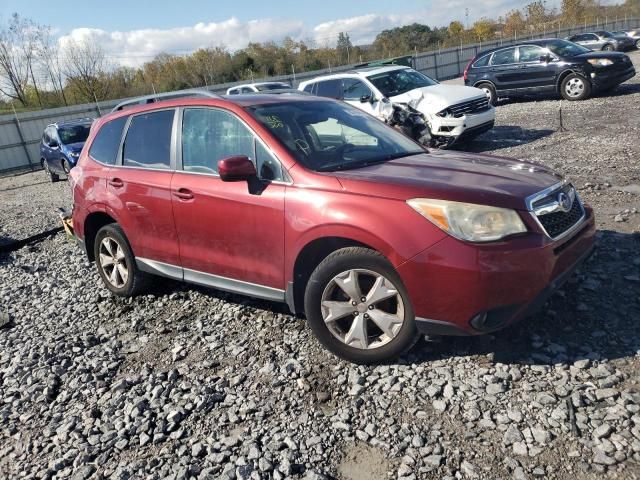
(575, 87)
(608, 48)
(116, 263)
(358, 307)
(52, 177)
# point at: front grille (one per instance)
(557, 223)
(476, 105)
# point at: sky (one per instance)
(134, 31)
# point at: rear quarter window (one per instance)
(330, 89)
(481, 62)
(106, 143)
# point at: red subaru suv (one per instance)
(312, 202)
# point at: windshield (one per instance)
(272, 86)
(563, 48)
(73, 134)
(397, 82)
(327, 136)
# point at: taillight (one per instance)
(466, 69)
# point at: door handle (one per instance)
(116, 183)
(183, 194)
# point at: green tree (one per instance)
(484, 29)
(514, 24)
(344, 47)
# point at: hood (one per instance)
(449, 175)
(438, 97)
(610, 55)
(74, 147)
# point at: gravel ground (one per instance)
(176, 385)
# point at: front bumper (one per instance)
(455, 127)
(458, 288)
(609, 78)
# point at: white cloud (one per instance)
(138, 46)
(135, 47)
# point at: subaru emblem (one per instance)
(565, 202)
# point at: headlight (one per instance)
(468, 221)
(600, 62)
(444, 113)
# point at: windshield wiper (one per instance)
(367, 163)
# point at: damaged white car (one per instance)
(434, 114)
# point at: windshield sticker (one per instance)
(274, 121)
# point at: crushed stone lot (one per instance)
(189, 382)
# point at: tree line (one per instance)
(36, 72)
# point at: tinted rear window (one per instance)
(482, 62)
(330, 89)
(148, 141)
(104, 147)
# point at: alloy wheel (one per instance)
(363, 309)
(487, 91)
(113, 262)
(574, 87)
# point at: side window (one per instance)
(592, 36)
(330, 88)
(482, 62)
(247, 90)
(531, 53)
(354, 89)
(309, 87)
(504, 57)
(267, 166)
(106, 143)
(148, 140)
(209, 135)
(233, 92)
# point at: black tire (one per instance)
(638, 44)
(65, 167)
(362, 259)
(608, 48)
(53, 177)
(137, 281)
(490, 91)
(575, 87)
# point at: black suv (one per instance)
(551, 66)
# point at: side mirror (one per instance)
(54, 144)
(366, 98)
(236, 169)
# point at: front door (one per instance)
(139, 186)
(535, 75)
(231, 233)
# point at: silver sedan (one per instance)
(602, 40)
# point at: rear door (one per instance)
(505, 70)
(231, 233)
(139, 186)
(535, 75)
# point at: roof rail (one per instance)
(162, 97)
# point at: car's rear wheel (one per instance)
(358, 307)
(52, 177)
(575, 87)
(490, 92)
(608, 48)
(116, 263)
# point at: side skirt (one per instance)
(210, 280)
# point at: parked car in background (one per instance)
(257, 87)
(432, 113)
(543, 67)
(61, 145)
(313, 202)
(603, 40)
(633, 34)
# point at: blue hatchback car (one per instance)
(61, 145)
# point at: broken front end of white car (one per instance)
(435, 123)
